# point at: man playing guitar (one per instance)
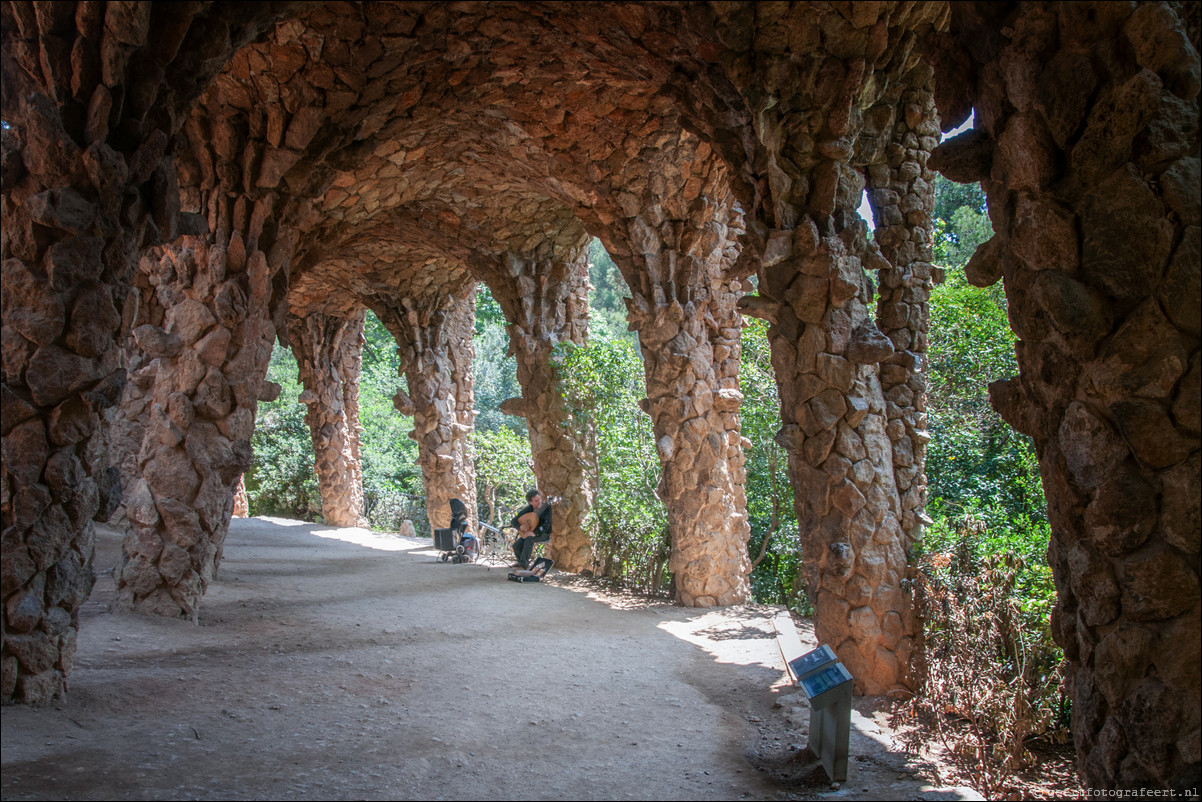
(533, 523)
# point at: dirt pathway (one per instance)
(335, 664)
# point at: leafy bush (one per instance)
(281, 480)
(503, 473)
(775, 545)
(494, 371)
(992, 673)
(393, 490)
(603, 382)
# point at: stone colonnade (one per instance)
(329, 352)
(544, 296)
(435, 346)
(86, 187)
(675, 252)
(1089, 157)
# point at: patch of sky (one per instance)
(866, 211)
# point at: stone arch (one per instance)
(120, 109)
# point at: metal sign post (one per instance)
(827, 685)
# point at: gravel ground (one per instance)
(338, 664)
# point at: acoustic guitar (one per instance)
(528, 522)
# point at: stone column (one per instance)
(545, 300)
(902, 197)
(1089, 158)
(675, 253)
(66, 256)
(435, 346)
(85, 187)
(68, 253)
(818, 123)
(241, 502)
(329, 351)
(835, 429)
(203, 349)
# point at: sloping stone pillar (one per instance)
(902, 197)
(1089, 158)
(846, 434)
(85, 186)
(329, 351)
(545, 300)
(675, 252)
(835, 429)
(434, 341)
(241, 501)
(203, 342)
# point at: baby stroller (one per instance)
(455, 542)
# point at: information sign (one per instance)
(811, 661)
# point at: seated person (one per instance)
(458, 515)
(533, 523)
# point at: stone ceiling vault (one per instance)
(503, 125)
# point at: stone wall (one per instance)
(329, 352)
(1086, 143)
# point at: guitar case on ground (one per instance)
(539, 569)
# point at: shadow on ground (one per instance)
(337, 664)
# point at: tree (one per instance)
(281, 480)
(976, 463)
(504, 471)
(774, 545)
(495, 371)
(607, 298)
(392, 483)
(603, 382)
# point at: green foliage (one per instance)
(392, 483)
(504, 471)
(603, 382)
(281, 480)
(770, 511)
(993, 675)
(488, 310)
(985, 591)
(950, 197)
(974, 457)
(495, 371)
(607, 305)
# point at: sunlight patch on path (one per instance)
(356, 535)
(736, 635)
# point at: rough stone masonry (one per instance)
(185, 184)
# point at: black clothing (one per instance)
(523, 547)
(544, 520)
(458, 515)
